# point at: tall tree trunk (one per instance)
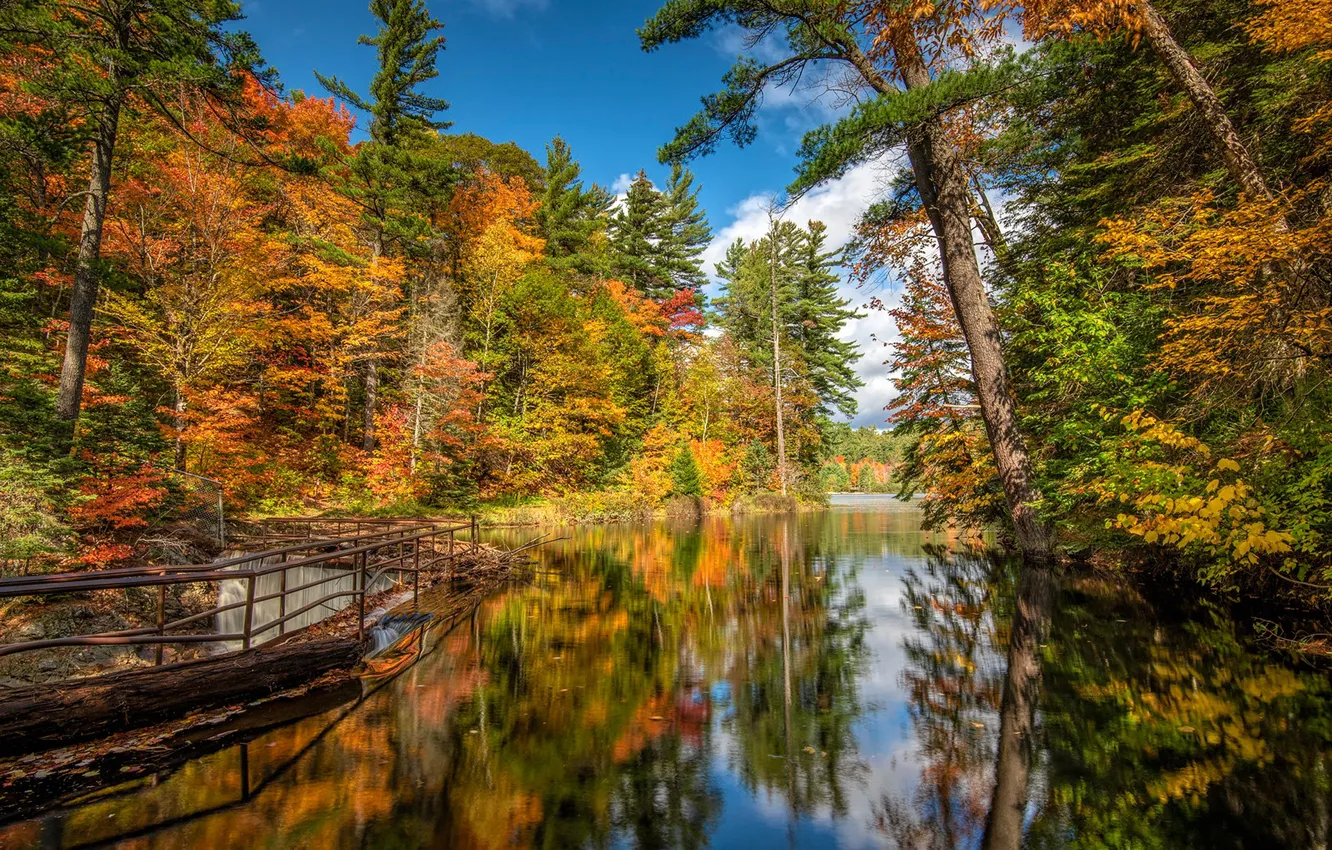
(416, 423)
(371, 402)
(1017, 712)
(777, 356)
(178, 424)
(84, 297)
(943, 184)
(1243, 169)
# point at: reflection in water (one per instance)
(835, 679)
(1017, 712)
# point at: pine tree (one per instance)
(685, 233)
(744, 305)
(570, 216)
(756, 466)
(658, 238)
(686, 480)
(636, 231)
(386, 167)
(407, 55)
(816, 318)
(811, 316)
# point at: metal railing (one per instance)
(310, 528)
(401, 549)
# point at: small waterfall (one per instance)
(392, 628)
(265, 613)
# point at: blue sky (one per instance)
(528, 70)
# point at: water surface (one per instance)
(828, 680)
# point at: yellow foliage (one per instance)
(1251, 320)
(1222, 518)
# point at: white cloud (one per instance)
(509, 8)
(732, 40)
(622, 183)
(839, 204)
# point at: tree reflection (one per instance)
(1017, 712)
(1152, 732)
(795, 682)
(954, 681)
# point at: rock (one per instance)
(31, 631)
(48, 665)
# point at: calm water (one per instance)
(829, 680)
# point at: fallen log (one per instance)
(43, 716)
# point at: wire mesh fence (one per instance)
(196, 501)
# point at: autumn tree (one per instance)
(112, 59)
(188, 227)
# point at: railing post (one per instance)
(249, 610)
(221, 522)
(161, 621)
(360, 620)
(450, 544)
(476, 544)
(282, 600)
(416, 570)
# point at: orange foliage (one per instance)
(1255, 320)
(117, 496)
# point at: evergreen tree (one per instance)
(744, 306)
(685, 233)
(756, 466)
(817, 316)
(658, 238)
(570, 217)
(686, 480)
(386, 168)
(811, 316)
(408, 51)
(636, 231)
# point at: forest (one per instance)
(1103, 236)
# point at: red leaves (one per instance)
(682, 311)
(117, 497)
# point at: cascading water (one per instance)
(266, 613)
(391, 628)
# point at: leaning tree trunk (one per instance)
(84, 297)
(946, 194)
(1243, 169)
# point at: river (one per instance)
(834, 679)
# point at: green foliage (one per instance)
(757, 466)
(880, 124)
(658, 236)
(407, 50)
(685, 477)
(810, 314)
(834, 477)
(571, 217)
(30, 525)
